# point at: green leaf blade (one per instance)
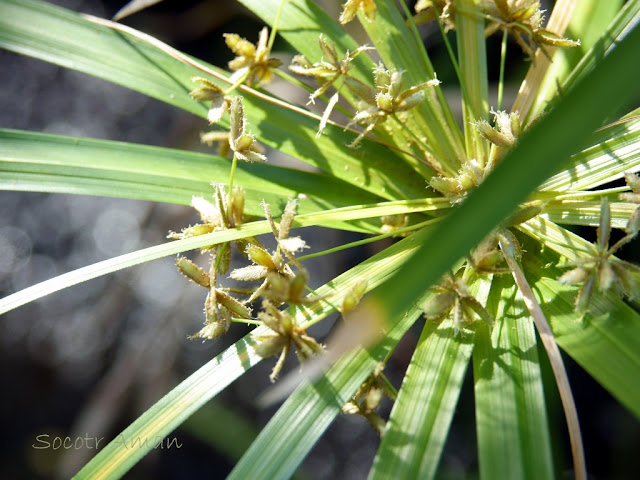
(420, 419)
(303, 418)
(53, 163)
(115, 459)
(511, 418)
(66, 38)
(606, 343)
(613, 151)
(538, 154)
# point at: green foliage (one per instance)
(400, 165)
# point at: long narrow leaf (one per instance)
(420, 419)
(115, 459)
(626, 20)
(511, 418)
(606, 342)
(538, 154)
(52, 163)
(614, 151)
(289, 435)
(150, 428)
(302, 22)
(329, 217)
(391, 38)
(60, 36)
(589, 20)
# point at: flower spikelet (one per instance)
(252, 63)
(350, 8)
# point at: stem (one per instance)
(472, 55)
(389, 385)
(453, 132)
(234, 163)
(503, 57)
(294, 81)
(370, 239)
(558, 22)
(435, 164)
(181, 57)
(508, 246)
(452, 58)
(247, 321)
(236, 84)
(274, 29)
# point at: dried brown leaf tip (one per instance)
(367, 399)
(284, 336)
(601, 267)
(252, 64)
(350, 8)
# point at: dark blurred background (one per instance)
(89, 360)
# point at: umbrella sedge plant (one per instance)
(481, 209)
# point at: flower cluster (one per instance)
(279, 278)
(523, 19)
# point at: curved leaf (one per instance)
(53, 163)
(399, 49)
(625, 21)
(302, 22)
(328, 217)
(117, 458)
(589, 20)
(540, 152)
(63, 37)
(614, 150)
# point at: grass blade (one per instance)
(302, 22)
(589, 20)
(606, 343)
(63, 37)
(328, 217)
(539, 153)
(121, 454)
(113, 461)
(435, 122)
(626, 20)
(511, 418)
(614, 150)
(425, 405)
(288, 437)
(52, 163)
